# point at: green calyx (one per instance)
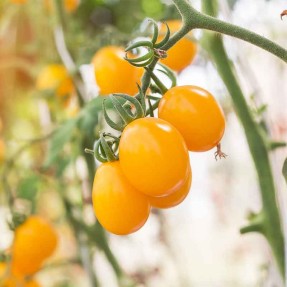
(17, 220)
(132, 109)
(153, 48)
(105, 148)
(4, 257)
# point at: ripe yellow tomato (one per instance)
(55, 77)
(153, 156)
(35, 240)
(196, 114)
(182, 53)
(71, 5)
(175, 198)
(113, 74)
(119, 207)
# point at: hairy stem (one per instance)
(194, 19)
(272, 226)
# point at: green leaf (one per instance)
(59, 139)
(28, 187)
(89, 116)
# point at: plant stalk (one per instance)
(272, 226)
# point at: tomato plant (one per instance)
(146, 164)
(119, 207)
(196, 114)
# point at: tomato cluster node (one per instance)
(105, 148)
(154, 49)
(130, 109)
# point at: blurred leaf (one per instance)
(62, 163)
(89, 117)
(60, 138)
(28, 187)
(152, 8)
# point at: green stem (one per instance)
(194, 19)
(99, 234)
(157, 81)
(272, 226)
(172, 41)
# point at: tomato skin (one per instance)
(176, 197)
(182, 53)
(196, 114)
(119, 207)
(35, 240)
(153, 156)
(113, 74)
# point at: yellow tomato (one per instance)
(35, 240)
(55, 77)
(71, 5)
(118, 206)
(182, 53)
(153, 156)
(196, 114)
(175, 198)
(113, 74)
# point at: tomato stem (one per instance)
(193, 19)
(257, 143)
(157, 81)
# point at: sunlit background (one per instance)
(195, 244)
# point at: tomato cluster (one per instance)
(148, 165)
(35, 241)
